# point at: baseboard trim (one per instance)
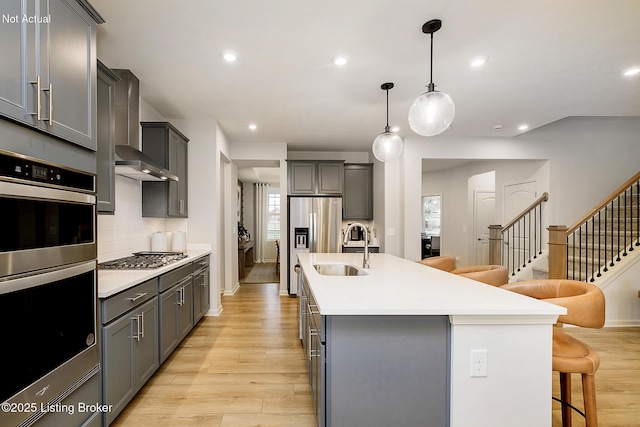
(233, 291)
(628, 323)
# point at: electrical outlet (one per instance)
(478, 363)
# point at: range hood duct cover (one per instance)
(137, 165)
(130, 160)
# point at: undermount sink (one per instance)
(339, 270)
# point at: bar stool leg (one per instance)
(565, 396)
(589, 396)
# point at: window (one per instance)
(273, 213)
(431, 215)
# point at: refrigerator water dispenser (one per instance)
(301, 238)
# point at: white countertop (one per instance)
(110, 282)
(395, 286)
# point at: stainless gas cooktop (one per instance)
(143, 261)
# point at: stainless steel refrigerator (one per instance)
(315, 225)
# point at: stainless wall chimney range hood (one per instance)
(130, 160)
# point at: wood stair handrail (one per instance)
(604, 203)
(543, 198)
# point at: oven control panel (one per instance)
(25, 168)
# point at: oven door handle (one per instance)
(22, 191)
(33, 280)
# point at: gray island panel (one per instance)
(387, 371)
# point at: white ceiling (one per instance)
(548, 59)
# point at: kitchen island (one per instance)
(407, 344)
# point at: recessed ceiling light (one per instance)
(395, 129)
(632, 71)
(523, 127)
(479, 61)
(253, 126)
(229, 56)
(339, 60)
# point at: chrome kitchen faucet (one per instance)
(365, 260)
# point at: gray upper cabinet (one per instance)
(323, 178)
(49, 68)
(357, 201)
(167, 146)
(106, 139)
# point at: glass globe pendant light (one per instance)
(432, 112)
(388, 145)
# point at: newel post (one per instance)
(495, 244)
(557, 251)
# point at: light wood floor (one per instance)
(246, 368)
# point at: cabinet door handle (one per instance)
(38, 112)
(310, 310)
(137, 297)
(50, 90)
(137, 319)
(142, 324)
(181, 296)
(312, 333)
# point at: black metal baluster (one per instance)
(599, 244)
(593, 248)
(573, 261)
(541, 231)
(535, 230)
(606, 238)
(524, 241)
(573, 257)
(529, 254)
(625, 224)
(638, 212)
(618, 232)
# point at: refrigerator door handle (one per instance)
(312, 232)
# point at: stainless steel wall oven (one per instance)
(48, 289)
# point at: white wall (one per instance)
(206, 143)
(588, 159)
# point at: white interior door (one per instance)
(484, 213)
(518, 197)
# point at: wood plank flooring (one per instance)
(246, 368)
(243, 368)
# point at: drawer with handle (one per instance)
(124, 301)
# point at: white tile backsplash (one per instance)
(126, 231)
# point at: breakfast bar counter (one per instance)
(402, 325)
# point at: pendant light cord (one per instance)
(387, 127)
(431, 85)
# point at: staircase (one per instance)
(601, 239)
(605, 239)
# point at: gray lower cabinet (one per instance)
(201, 288)
(357, 200)
(130, 353)
(106, 197)
(377, 370)
(176, 312)
(51, 68)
